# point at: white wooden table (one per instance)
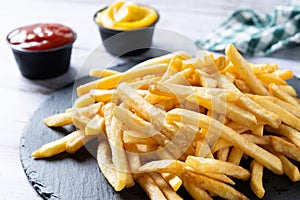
(20, 96)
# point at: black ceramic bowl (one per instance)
(43, 64)
(128, 42)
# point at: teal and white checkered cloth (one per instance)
(255, 33)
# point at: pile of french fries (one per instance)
(181, 121)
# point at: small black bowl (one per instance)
(128, 42)
(43, 64)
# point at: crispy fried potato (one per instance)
(256, 179)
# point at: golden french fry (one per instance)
(132, 137)
(260, 111)
(74, 144)
(222, 154)
(60, 119)
(53, 148)
(180, 77)
(276, 91)
(196, 192)
(83, 101)
(283, 114)
(206, 80)
(285, 74)
(286, 148)
(267, 79)
(105, 161)
(217, 166)
(288, 107)
(245, 71)
(203, 150)
(174, 181)
(150, 187)
(114, 135)
(216, 187)
(286, 131)
(290, 169)
(263, 68)
(173, 67)
(112, 81)
(260, 140)
(288, 89)
(235, 156)
(242, 86)
(220, 144)
(182, 55)
(95, 126)
(102, 72)
(101, 95)
(80, 121)
(91, 110)
(164, 186)
(256, 179)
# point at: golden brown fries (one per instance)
(181, 121)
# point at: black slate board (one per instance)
(78, 177)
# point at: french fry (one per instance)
(83, 101)
(285, 74)
(286, 148)
(267, 79)
(129, 138)
(180, 77)
(288, 89)
(235, 156)
(206, 80)
(289, 168)
(164, 186)
(221, 189)
(276, 91)
(74, 144)
(263, 68)
(182, 55)
(58, 120)
(203, 150)
(288, 107)
(174, 181)
(105, 161)
(245, 71)
(112, 81)
(217, 166)
(101, 95)
(287, 131)
(119, 159)
(150, 187)
(102, 73)
(55, 147)
(196, 192)
(95, 126)
(284, 115)
(222, 154)
(256, 179)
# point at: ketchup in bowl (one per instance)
(41, 36)
(42, 50)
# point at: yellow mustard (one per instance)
(126, 16)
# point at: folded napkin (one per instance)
(255, 33)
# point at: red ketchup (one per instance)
(41, 36)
